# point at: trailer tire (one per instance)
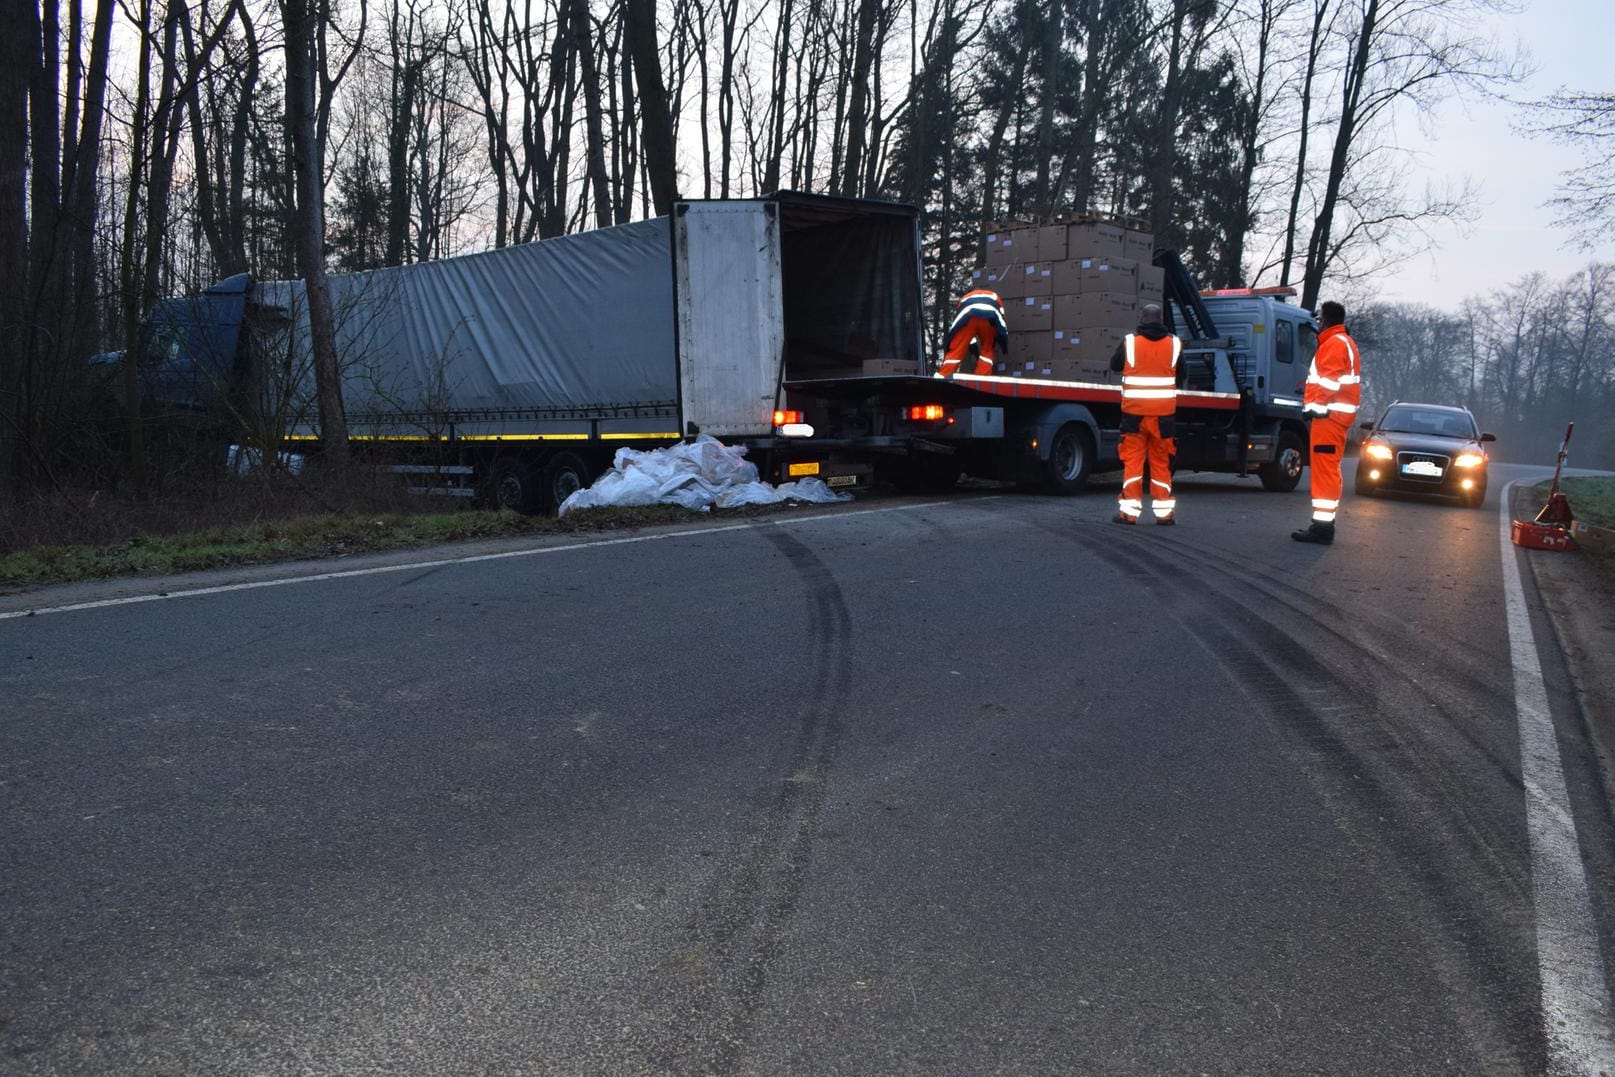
(1283, 473)
(1071, 453)
(565, 475)
(516, 485)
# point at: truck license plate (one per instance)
(797, 471)
(1427, 468)
(841, 480)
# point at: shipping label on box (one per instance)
(1096, 310)
(991, 277)
(1091, 239)
(1037, 279)
(1111, 275)
(1091, 346)
(1151, 281)
(1051, 243)
(1008, 281)
(1139, 246)
(1031, 314)
(1000, 249)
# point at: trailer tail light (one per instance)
(787, 418)
(925, 412)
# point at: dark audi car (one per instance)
(1425, 449)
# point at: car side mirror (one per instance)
(1488, 437)
(1366, 425)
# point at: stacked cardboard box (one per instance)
(1071, 293)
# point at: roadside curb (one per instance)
(1580, 602)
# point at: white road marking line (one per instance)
(377, 570)
(1575, 992)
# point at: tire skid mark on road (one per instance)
(1336, 620)
(735, 934)
(1354, 759)
(1378, 661)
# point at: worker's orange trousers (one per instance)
(1137, 449)
(1328, 446)
(981, 329)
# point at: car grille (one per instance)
(1405, 458)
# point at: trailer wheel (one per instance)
(1283, 473)
(1070, 459)
(516, 486)
(565, 475)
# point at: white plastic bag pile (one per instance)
(699, 475)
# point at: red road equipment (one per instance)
(1551, 528)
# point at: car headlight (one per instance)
(1378, 450)
(1469, 459)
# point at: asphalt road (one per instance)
(979, 786)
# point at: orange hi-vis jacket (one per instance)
(1150, 377)
(981, 303)
(1334, 383)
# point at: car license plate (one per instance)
(841, 480)
(1426, 468)
(797, 471)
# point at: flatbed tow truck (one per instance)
(1245, 358)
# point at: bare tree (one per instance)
(1586, 198)
(661, 168)
(1401, 53)
(299, 19)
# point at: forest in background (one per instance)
(149, 148)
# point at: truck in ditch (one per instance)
(791, 324)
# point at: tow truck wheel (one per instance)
(1070, 459)
(516, 486)
(565, 475)
(1283, 474)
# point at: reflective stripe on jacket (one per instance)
(1149, 378)
(982, 303)
(1334, 382)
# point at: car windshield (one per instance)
(1447, 424)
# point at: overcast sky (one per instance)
(1569, 42)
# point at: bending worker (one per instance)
(1148, 363)
(979, 318)
(1334, 390)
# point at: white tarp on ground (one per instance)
(699, 475)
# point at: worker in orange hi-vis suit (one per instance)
(979, 318)
(1148, 363)
(1334, 391)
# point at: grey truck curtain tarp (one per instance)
(575, 322)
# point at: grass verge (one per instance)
(307, 537)
(1592, 499)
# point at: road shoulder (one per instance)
(1580, 600)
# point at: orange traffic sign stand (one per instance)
(1551, 528)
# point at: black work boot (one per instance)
(1322, 534)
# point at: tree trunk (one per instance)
(1320, 13)
(593, 117)
(863, 59)
(1053, 30)
(1318, 253)
(310, 224)
(660, 164)
(15, 60)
